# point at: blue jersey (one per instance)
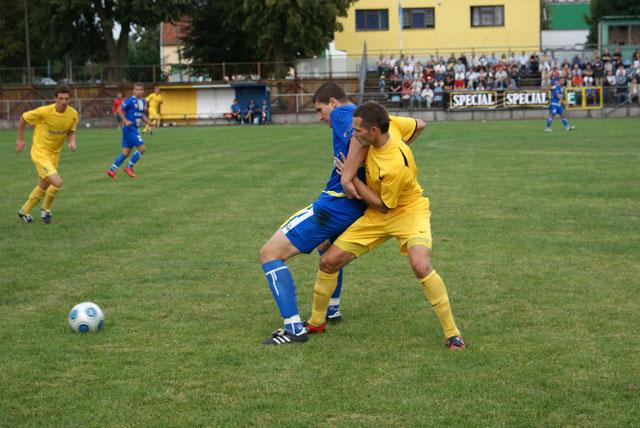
(341, 123)
(134, 109)
(556, 94)
(332, 213)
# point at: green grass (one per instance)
(536, 235)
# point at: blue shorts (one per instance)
(553, 110)
(131, 137)
(313, 225)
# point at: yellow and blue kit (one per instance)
(50, 130)
(332, 212)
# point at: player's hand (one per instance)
(338, 162)
(127, 123)
(20, 145)
(72, 146)
(350, 190)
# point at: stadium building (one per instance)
(426, 25)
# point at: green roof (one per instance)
(569, 16)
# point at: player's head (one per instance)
(370, 121)
(156, 89)
(119, 94)
(138, 89)
(62, 95)
(327, 97)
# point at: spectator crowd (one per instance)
(417, 83)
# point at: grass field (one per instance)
(537, 236)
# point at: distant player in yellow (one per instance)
(154, 101)
(53, 124)
(396, 209)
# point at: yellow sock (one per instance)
(146, 129)
(52, 191)
(34, 197)
(326, 284)
(436, 293)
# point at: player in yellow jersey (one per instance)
(154, 101)
(53, 124)
(396, 209)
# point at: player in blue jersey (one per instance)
(557, 105)
(326, 218)
(132, 113)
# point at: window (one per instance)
(487, 16)
(372, 20)
(418, 18)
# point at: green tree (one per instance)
(600, 8)
(266, 30)
(87, 27)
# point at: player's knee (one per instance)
(329, 264)
(421, 267)
(56, 181)
(268, 253)
(141, 149)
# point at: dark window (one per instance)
(372, 20)
(487, 16)
(418, 18)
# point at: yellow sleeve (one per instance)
(391, 186)
(35, 116)
(406, 126)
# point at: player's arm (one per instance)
(126, 122)
(350, 165)
(71, 139)
(369, 196)
(20, 143)
(420, 125)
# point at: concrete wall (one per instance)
(515, 114)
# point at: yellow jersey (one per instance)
(391, 170)
(51, 127)
(154, 100)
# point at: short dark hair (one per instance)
(62, 89)
(329, 90)
(138, 84)
(373, 114)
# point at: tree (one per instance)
(87, 27)
(600, 8)
(265, 30)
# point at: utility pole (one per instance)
(26, 31)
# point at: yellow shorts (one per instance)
(410, 226)
(46, 163)
(154, 116)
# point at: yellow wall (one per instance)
(179, 100)
(452, 32)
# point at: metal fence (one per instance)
(296, 103)
(336, 66)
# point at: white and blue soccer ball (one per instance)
(86, 317)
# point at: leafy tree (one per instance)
(266, 30)
(600, 8)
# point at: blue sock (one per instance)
(284, 292)
(565, 122)
(135, 158)
(336, 293)
(549, 121)
(118, 161)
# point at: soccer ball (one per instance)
(86, 317)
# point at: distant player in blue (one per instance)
(132, 113)
(316, 225)
(557, 105)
